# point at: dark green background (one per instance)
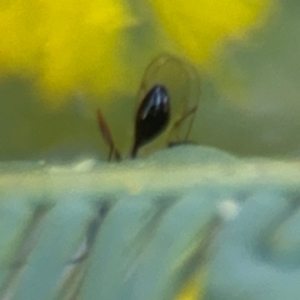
(251, 109)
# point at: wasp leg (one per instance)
(192, 113)
(107, 137)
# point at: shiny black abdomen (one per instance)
(152, 117)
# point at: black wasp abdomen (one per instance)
(152, 117)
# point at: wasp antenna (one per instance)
(107, 136)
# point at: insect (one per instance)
(166, 105)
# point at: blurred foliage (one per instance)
(264, 78)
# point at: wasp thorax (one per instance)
(152, 117)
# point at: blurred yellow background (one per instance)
(59, 62)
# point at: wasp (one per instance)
(167, 99)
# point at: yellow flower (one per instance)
(100, 47)
(200, 26)
(67, 45)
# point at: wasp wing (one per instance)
(181, 81)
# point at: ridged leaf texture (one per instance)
(143, 229)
